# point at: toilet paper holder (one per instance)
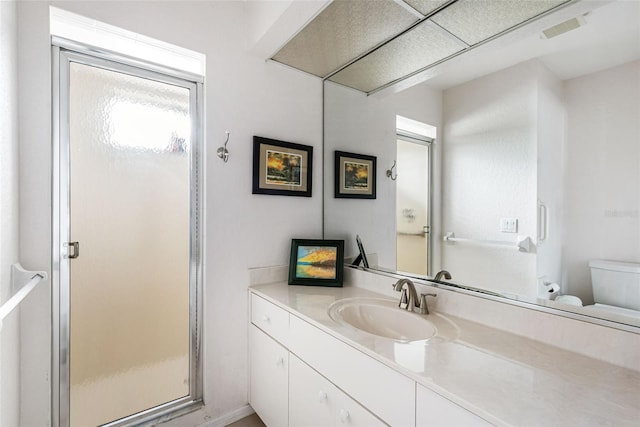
(550, 290)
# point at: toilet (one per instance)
(615, 285)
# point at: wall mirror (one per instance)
(523, 165)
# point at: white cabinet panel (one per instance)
(350, 413)
(316, 402)
(312, 399)
(385, 392)
(270, 318)
(298, 372)
(269, 388)
(435, 410)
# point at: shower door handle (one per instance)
(72, 254)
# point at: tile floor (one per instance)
(251, 421)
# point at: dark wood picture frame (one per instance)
(316, 262)
(281, 168)
(355, 176)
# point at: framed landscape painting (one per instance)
(281, 168)
(355, 176)
(316, 262)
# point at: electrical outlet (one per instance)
(509, 225)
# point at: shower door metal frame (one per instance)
(64, 52)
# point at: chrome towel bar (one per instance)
(522, 244)
(18, 278)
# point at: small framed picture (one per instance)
(355, 176)
(316, 262)
(362, 256)
(281, 168)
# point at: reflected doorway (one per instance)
(413, 197)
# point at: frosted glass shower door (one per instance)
(129, 274)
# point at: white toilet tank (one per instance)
(616, 283)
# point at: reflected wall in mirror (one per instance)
(537, 138)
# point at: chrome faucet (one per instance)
(409, 297)
(441, 273)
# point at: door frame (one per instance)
(426, 142)
(63, 53)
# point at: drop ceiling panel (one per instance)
(425, 6)
(476, 20)
(416, 49)
(343, 31)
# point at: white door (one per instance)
(412, 207)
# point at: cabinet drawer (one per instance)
(350, 413)
(368, 381)
(315, 402)
(435, 410)
(270, 318)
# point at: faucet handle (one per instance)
(423, 302)
(404, 300)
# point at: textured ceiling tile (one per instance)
(343, 31)
(476, 20)
(425, 6)
(412, 51)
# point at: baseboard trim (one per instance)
(230, 417)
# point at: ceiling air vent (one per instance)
(563, 27)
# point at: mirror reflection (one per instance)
(515, 167)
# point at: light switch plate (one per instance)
(509, 225)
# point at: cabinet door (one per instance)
(434, 410)
(314, 401)
(269, 391)
(312, 398)
(364, 378)
(350, 413)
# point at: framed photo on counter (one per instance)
(316, 262)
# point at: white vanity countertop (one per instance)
(502, 377)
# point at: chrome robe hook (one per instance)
(390, 172)
(223, 153)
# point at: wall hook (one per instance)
(223, 153)
(390, 172)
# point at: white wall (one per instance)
(9, 337)
(244, 95)
(551, 160)
(489, 173)
(602, 184)
(364, 124)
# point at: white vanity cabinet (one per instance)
(304, 376)
(269, 362)
(434, 410)
(315, 401)
(385, 392)
(269, 385)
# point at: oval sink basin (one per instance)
(383, 318)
